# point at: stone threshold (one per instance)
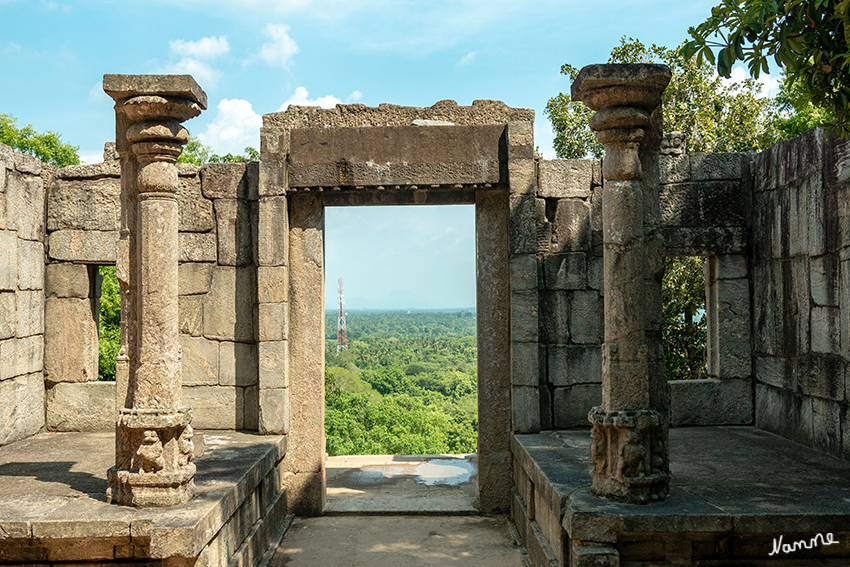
(53, 503)
(734, 489)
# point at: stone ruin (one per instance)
(222, 299)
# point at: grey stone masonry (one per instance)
(23, 179)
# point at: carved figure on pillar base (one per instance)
(629, 449)
(153, 449)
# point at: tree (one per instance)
(199, 154)
(48, 147)
(809, 39)
(684, 327)
(715, 117)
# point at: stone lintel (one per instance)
(122, 87)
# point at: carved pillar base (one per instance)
(628, 449)
(155, 466)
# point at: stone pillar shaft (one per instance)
(629, 447)
(153, 438)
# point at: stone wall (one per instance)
(217, 292)
(801, 286)
(22, 181)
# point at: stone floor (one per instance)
(398, 484)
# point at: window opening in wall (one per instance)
(685, 321)
(109, 319)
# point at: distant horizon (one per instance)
(403, 310)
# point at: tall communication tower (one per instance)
(341, 336)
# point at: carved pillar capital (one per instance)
(629, 448)
(154, 450)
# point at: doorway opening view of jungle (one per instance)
(407, 382)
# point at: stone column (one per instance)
(629, 437)
(153, 438)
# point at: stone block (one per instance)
(524, 272)
(711, 402)
(525, 405)
(273, 232)
(22, 410)
(81, 407)
(214, 407)
(194, 278)
(716, 166)
(821, 212)
(84, 204)
(596, 274)
(522, 176)
(788, 161)
(200, 365)
(272, 284)
(565, 271)
(229, 306)
(565, 178)
(777, 371)
(574, 364)
(826, 330)
(596, 209)
(524, 364)
(522, 225)
(8, 260)
(554, 318)
(238, 364)
(573, 403)
(273, 321)
(524, 312)
(585, 317)
(66, 280)
(704, 241)
(25, 205)
(571, 227)
(195, 213)
(26, 163)
(233, 221)
(190, 314)
(197, 246)
(594, 556)
(305, 494)
(226, 181)
(824, 279)
(826, 426)
(732, 340)
(30, 313)
(729, 266)
(674, 168)
(274, 411)
(782, 412)
(274, 364)
(8, 314)
(822, 376)
(70, 340)
(30, 264)
(251, 408)
(83, 246)
(21, 356)
(844, 293)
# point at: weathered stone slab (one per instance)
(522, 225)
(571, 230)
(272, 284)
(585, 317)
(554, 318)
(121, 87)
(197, 246)
(780, 372)
(524, 272)
(238, 364)
(83, 246)
(8, 314)
(525, 360)
(194, 278)
(26, 163)
(273, 321)
(214, 407)
(822, 376)
(90, 171)
(826, 426)
(195, 213)
(200, 361)
(522, 172)
(395, 155)
(674, 168)
(229, 306)
(565, 271)
(273, 232)
(274, 364)
(30, 313)
(66, 280)
(25, 205)
(826, 330)
(788, 161)
(81, 407)
(564, 178)
(703, 204)
(824, 279)
(524, 310)
(573, 403)
(233, 219)
(574, 364)
(226, 181)
(718, 166)
(782, 412)
(8, 260)
(711, 402)
(30, 264)
(190, 314)
(525, 406)
(22, 410)
(274, 411)
(21, 356)
(90, 204)
(70, 340)
(706, 241)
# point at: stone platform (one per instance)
(53, 507)
(734, 491)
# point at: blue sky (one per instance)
(256, 56)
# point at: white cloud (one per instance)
(467, 59)
(87, 156)
(354, 97)
(302, 98)
(280, 50)
(769, 85)
(234, 127)
(204, 48)
(97, 95)
(206, 76)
